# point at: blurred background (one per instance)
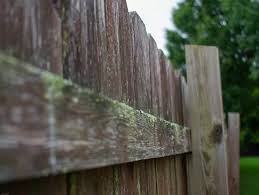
(232, 26)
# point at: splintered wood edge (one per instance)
(49, 125)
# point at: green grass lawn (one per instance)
(249, 176)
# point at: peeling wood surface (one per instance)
(233, 134)
(208, 164)
(59, 127)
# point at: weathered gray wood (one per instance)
(165, 168)
(233, 152)
(186, 113)
(185, 102)
(31, 30)
(141, 63)
(153, 179)
(111, 72)
(177, 116)
(53, 126)
(126, 54)
(164, 172)
(156, 93)
(84, 42)
(93, 60)
(208, 163)
(166, 111)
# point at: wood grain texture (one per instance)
(111, 73)
(186, 117)
(31, 30)
(156, 102)
(177, 116)
(156, 90)
(126, 54)
(209, 163)
(84, 42)
(165, 168)
(233, 152)
(141, 63)
(142, 89)
(63, 127)
(92, 59)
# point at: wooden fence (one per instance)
(120, 121)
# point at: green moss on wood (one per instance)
(72, 184)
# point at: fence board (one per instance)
(209, 163)
(126, 53)
(141, 63)
(177, 115)
(142, 88)
(31, 30)
(84, 42)
(76, 128)
(166, 178)
(186, 114)
(233, 152)
(111, 72)
(156, 93)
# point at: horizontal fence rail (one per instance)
(59, 127)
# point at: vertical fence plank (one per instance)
(233, 152)
(185, 90)
(84, 42)
(31, 31)
(186, 119)
(177, 109)
(141, 63)
(125, 174)
(209, 163)
(156, 94)
(126, 53)
(92, 60)
(110, 74)
(155, 85)
(165, 167)
(142, 86)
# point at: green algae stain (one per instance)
(72, 184)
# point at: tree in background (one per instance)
(233, 26)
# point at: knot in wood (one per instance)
(217, 133)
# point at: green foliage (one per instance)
(249, 176)
(233, 26)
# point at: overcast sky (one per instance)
(156, 14)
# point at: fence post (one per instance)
(233, 152)
(208, 164)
